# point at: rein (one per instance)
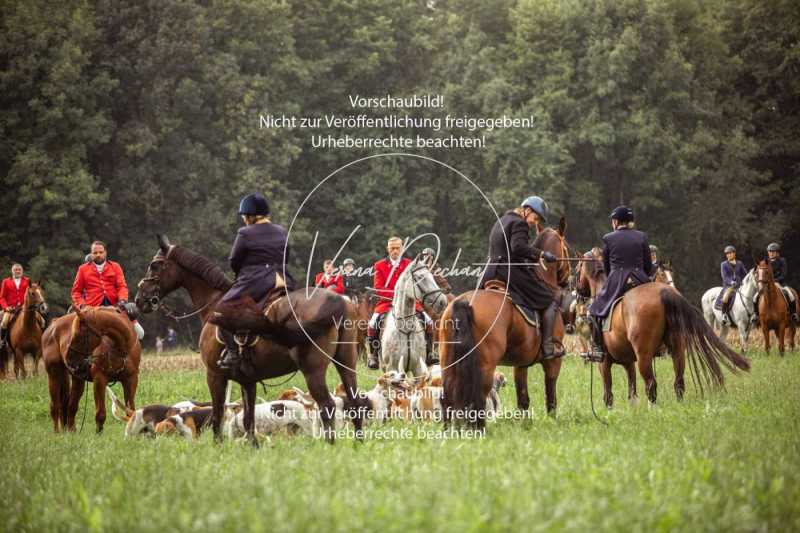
(88, 358)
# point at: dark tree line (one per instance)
(120, 120)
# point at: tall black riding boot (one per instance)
(3, 341)
(550, 348)
(597, 352)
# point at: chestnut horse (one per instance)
(591, 279)
(655, 314)
(481, 329)
(25, 333)
(96, 344)
(773, 311)
(322, 316)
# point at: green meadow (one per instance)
(729, 461)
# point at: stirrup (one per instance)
(558, 351)
(229, 359)
(594, 355)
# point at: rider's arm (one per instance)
(238, 252)
(122, 287)
(77, 290)
(606, 258)
(519, 243)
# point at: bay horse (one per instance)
(773, 310)
(306, 334)
(25, 332)
(655, 314)
(481, 329)
(665, 274)
(96, 344)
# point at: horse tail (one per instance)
(119, 410)
(462, 379)
(688, 331)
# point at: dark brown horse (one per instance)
(482, 329)
(773, 310)
(25, 333)
(306, 333)
(96, 344)
(655, 314)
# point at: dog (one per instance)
(188, 423)
(280, 416)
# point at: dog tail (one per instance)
(119, 410)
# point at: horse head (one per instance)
(764, 276)
(591, 276)
(664, 273)
(553, 241)
(161, 278)
(425, 289)
(34, 298)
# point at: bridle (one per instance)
(155, 299)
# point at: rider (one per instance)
(327, 279)
(387, 272)
(349, 279)
(512, 233)
(654, 260)
(780, 270)
(257, 260)
(12, 295)
(627, 262)
(733, 273)
(101, 282)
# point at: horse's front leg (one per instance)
(249, 398)
(765, 332)
(129, 386)
(19, 364)
(217, 385)
(608, 389)
(100, 382)
(781, 333)
(552, 367)
(521, 385)
(75, 395)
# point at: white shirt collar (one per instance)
(395, 263)
(101, 266)
(17, 282)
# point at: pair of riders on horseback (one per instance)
(733, 273)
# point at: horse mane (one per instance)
(201, 267)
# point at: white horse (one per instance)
(403, 337)
(743, 309)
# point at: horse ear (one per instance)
(163, 242)
(562, 226)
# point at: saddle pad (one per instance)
(530, 315)
(607, 319)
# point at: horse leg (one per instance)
(552, 367)
(249, 398)
(679, 364)
(346, 356)
(630, 369)
(100, 382)
(646, 370)
(19, 364)
(765, 332)
(129, 386)
(605, 373)
(781, 334)
(75, 395)
(319, 391)
(55, 381)
(521, 384)
(217, 384)
(791, 330)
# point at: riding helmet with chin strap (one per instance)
(348, 261)
(254, 204)
(729, 249)
(774, 247)
(538, 205)
(653, 249)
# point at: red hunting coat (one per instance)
(334, 283)
(10, 296)
(384, 281)
(90, 286)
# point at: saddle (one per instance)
(530, 315)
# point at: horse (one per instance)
(306, 332)
(591, 279)
(654, 314)
(773, 309)
(403, 344)
(96, 344)
(481, 329)
(742, 309)
(665, 274)
(25, 332)
(361, 307)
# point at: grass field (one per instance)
(726, 462)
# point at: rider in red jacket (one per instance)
(328, 280)
(100, 282)
(12, 295)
